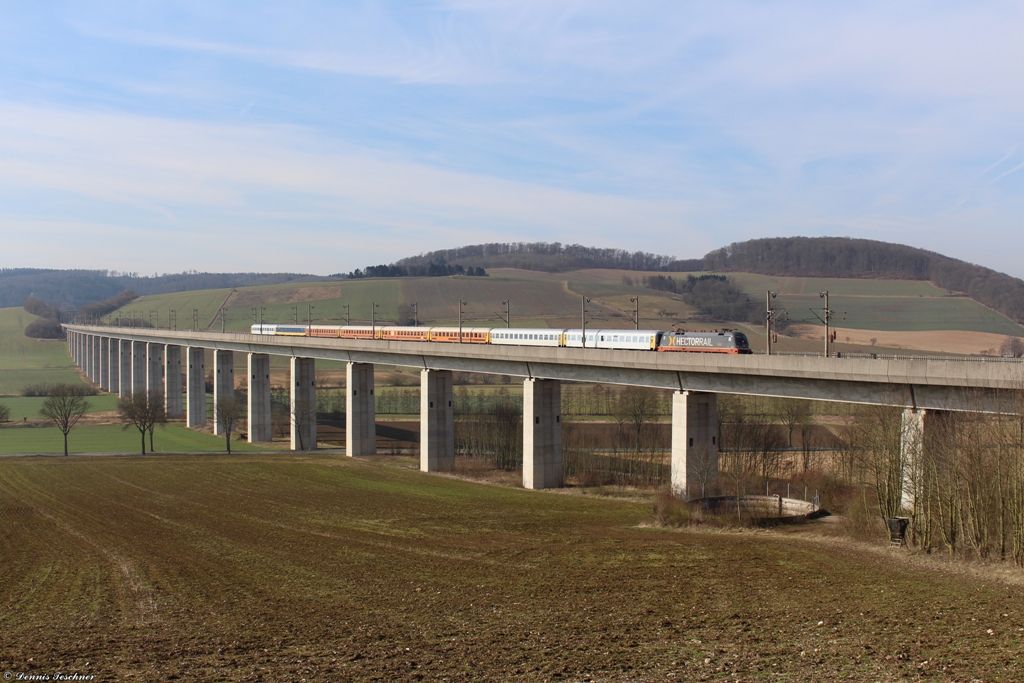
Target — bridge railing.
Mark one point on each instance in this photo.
(901, 356)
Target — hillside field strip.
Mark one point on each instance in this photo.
(289, 567)
(554, 299)
(30, 361)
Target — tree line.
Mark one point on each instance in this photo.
(72, 289)
(714, 296)
(433, 269)
(48, 325)
(549, 257)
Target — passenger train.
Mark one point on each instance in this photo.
(726, 341)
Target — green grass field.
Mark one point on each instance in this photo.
(28, 407)
(30, 361)
(171, 438)
(206, 302)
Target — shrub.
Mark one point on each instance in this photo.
(671, 510)
(40, 308)
(44, 328)
(47, 389)
(5, 413)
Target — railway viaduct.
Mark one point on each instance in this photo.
(125, 361)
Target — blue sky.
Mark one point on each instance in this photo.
(322, 137)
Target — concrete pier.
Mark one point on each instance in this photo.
(172, 381)
(223, 384)
(155, 368)
(114, 366)
(96, 359)
(303, 404)
(138, 367)
(921, 430)
(124, 368)
(259, 398)
(694, 443)
(542, 433)
(360, 412)
(104, 373)
(195, 385)
(437, 421)
(94, 353)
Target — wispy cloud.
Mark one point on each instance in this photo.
(394, 127)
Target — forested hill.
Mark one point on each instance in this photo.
(785, 256)
(856, 258)
(551, 258)
(71, 289)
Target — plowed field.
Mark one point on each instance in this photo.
(272, 568)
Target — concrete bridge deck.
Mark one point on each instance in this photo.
(924, 383)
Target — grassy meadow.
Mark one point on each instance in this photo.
(30, 361)
(92, 438)
(27, 407)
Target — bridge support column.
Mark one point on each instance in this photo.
(155, 368)
(195, 385)
(694, 443)
(360, 411)
(303, 404)
(223, 384)
(542, 433)
(94, 352)
(437, 421)
(259, 398)
(104, 377)
(124, 368)
(172, 381)
(919, 428)
(138, 367)
(114, 366)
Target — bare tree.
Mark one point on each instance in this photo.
(637, 406)
(143, 411)
(1012, 346)
(5, 413)
(65, 406)
(794, 412)
(881, 434)
(704, 467)
(280, 420)
(227, 410)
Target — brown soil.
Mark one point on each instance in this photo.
(288, 567)
(941, 341)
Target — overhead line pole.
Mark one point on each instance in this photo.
(583, 320)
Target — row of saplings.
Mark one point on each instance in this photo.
(66, 404)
